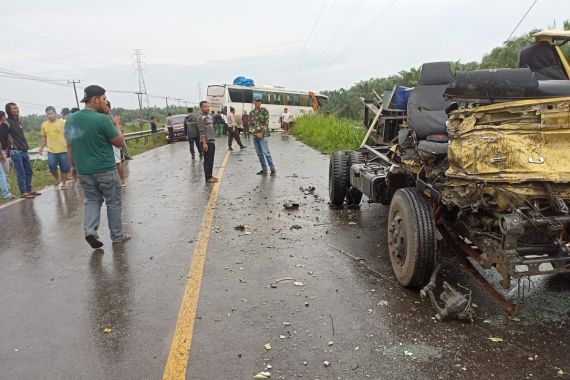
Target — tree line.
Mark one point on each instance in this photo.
(346, 102)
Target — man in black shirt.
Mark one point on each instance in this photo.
(153, 128)
(191, 128)
(18, 146)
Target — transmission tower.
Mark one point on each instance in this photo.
(140, 69)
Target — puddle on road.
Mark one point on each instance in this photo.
(411, 350)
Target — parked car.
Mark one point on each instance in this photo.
(179, 132)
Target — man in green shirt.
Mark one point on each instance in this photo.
(90, 136)
(259, 124)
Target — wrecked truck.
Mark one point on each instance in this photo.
(476, 164)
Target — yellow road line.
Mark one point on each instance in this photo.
(182, 340)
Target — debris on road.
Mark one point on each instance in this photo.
(308, 191)
(284, 279)
(295, 227)
(298, 283)
(495, 339)
(291, 206)
(240, 227)
(107, 330)
(408, 353)
(383, 303)
(326, 363)
(267, 346)
(331, 343)
(262, 375)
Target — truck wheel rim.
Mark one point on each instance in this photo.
(398, 239)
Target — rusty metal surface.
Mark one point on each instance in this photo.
(526, 141)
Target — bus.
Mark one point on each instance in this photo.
(274, 98)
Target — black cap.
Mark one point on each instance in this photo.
(91, 91)
(65, 111)
(257, 99)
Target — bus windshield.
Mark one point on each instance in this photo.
(216, 90)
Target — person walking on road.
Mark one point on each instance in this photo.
(170, 128)
(191, 128)
(90, 138)
(207, 139)
(51, 134)
(285, 119)
(18, 146)
(259, 124)
(233, 131)
(219, 124)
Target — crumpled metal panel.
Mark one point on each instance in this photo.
(511, 142)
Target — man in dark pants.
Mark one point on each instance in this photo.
(170, 128)
(191, 128)
(18, 146)
(207, 139)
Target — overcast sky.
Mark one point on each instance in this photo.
(274, 42)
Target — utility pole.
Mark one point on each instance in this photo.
(75, 89)
(166, 98)
(179, 100)
(141, 70)
(186, 104)
(200, 92)
(139, 96)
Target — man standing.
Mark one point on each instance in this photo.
(191, 128)
(259, 123)
(207, 139)
(233, 131)
(18, 146)
(245, 124)
(153, 129)
(91, 135)
(285, 119)
(4, 141)
(51, 134)
(170, 128)
(4, 187)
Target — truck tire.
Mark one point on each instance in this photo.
(354, 196)
(339, 178)
(412, 243)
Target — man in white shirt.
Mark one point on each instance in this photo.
(285, 119)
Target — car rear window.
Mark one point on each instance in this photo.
(178, 119)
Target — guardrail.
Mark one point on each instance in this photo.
(35, 154)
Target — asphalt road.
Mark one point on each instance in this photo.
(315, 284)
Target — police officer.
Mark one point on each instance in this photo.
(207, 139)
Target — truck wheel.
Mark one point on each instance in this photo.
(411, 237)
(339, 178)
(354, 196)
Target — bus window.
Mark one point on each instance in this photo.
(276, 99)
(304, 100)
(216, 90)
(240, 95)
(292, 100)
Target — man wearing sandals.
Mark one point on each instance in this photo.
(259, 124)
(51, 134)
(91, 135)
(18, 146)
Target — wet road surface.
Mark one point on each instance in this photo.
(346, 308)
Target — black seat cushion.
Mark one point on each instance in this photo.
(433, 148)
(543, 60)
(426, 106)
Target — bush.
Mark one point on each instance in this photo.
(328, 133)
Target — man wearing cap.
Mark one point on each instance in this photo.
(91, 135)
(205, 124)
(259, 124)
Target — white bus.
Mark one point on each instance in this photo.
(274, 98)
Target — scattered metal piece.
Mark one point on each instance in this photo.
(291, 206)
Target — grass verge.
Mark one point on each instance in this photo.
(43, 178)
(328, 133)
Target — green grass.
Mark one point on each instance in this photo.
(43, 178)
(328, 133)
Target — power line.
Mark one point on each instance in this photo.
(312, 29)
(366, 30)
(522, 19)
(338, 32)
(140, 71)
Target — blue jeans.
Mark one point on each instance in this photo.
(263, 153)
(4, 188)
(23, 168)
(97, 188)
(58, 159)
